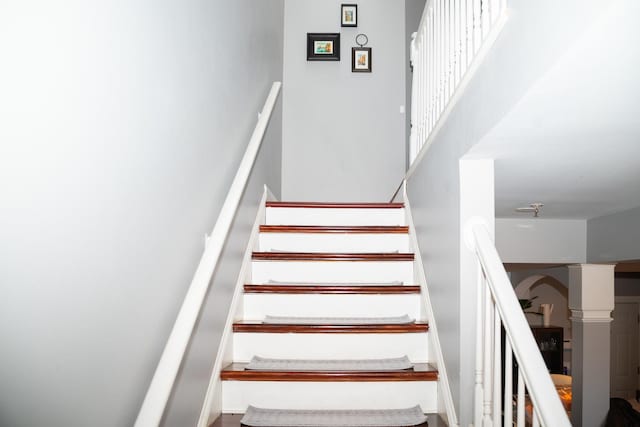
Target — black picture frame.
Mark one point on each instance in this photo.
(348, 15)
(323, 46)
(361, 59)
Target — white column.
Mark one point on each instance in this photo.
(477, 201)
(591, 300)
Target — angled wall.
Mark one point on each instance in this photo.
(530, 43)
(122, 125)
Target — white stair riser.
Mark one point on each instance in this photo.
(238, 395)
(257, 306)
(332, 271)
(330, 346)
(337, 216)
(333, 242)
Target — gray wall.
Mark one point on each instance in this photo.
(343, 132)
(541, 240)
(412, 14)
(192, 384)
(530, 43)
(614, 237)
(122, 125)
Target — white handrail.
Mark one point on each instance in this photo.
(451, 40)
(498, 307)
(164, 377)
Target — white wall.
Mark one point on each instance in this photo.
(121, 126)
(344, 136)
(614, 237)
(539, 240)
(532, 40)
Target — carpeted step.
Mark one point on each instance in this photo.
(297, 365)
(292, 320)
(233, 420)
(259, 417)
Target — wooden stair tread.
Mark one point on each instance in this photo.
(330, 289)
(259, 327)
(356, 229)
(233, 420)
(420, 372)
(332, 205)
(330, 256)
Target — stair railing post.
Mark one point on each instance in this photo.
(488, 359)
(479, 386)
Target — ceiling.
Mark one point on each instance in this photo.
(573, 141)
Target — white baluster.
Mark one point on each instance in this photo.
(469, 30)
(479, 399)
(415, 79)
(497, 366)
(424, 100)
(432, 73)
(477, 25)
(458, 43)
(488, 359)
(448, 51)
(438, 61)
(520, 408)
(508, 383)
(485, 17)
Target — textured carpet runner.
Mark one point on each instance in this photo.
(346, 321)
(257, 417)
(305, 282)
(296, 365)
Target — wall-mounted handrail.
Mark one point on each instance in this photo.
(451, 40)
(166, 372)
(498, 307)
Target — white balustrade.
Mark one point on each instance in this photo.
(499, 317)
(450, 37)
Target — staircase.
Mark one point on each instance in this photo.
(331, 321)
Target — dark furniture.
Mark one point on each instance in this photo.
(550, 342)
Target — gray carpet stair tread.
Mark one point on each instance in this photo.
(352, 283)
(233, 420)
(259, 417)
(258, 363)
(285, 320)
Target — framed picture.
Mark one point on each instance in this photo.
(323, 47)
(349, 15)
(361, 59)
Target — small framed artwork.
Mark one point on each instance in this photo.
(323, 47)
(349, 15)
(361, 59)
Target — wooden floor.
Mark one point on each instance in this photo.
(233, 420)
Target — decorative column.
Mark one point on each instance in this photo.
(591, 300)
